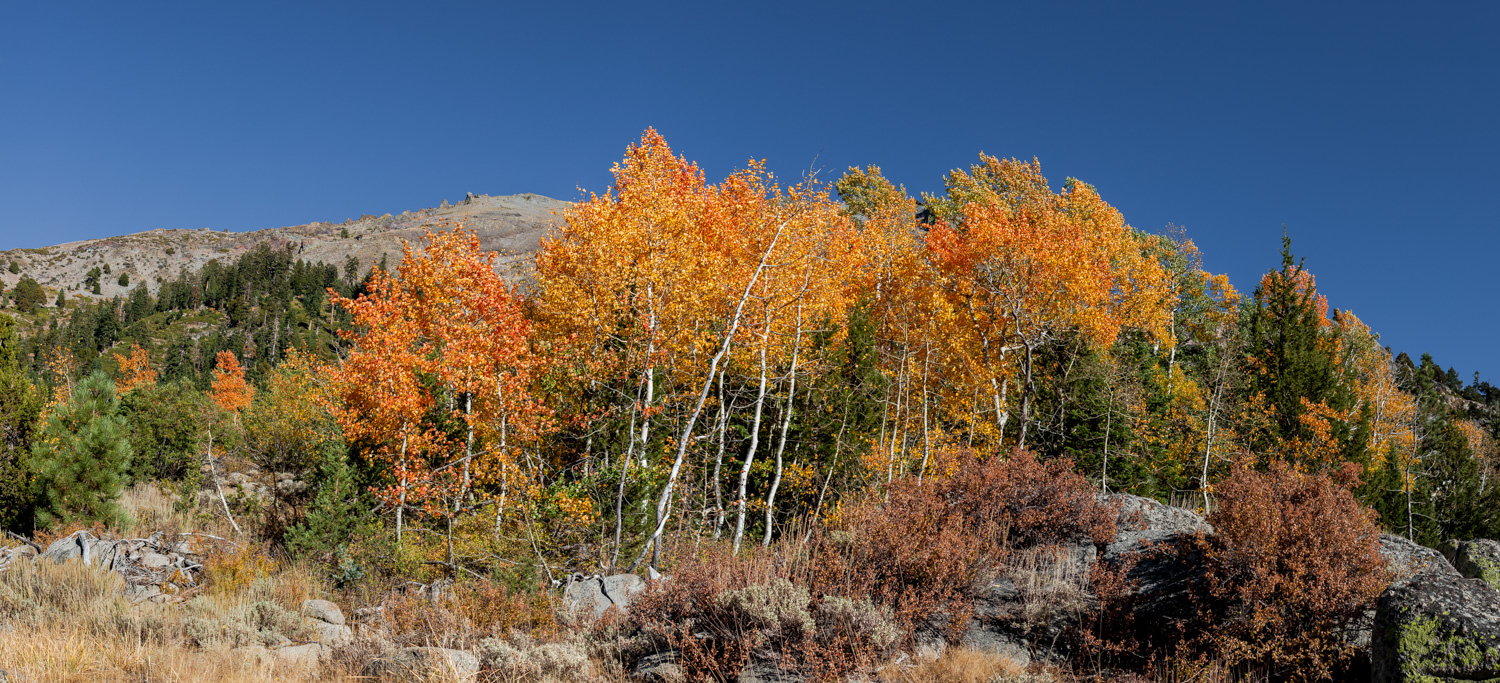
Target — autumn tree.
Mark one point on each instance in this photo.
(1022, 264)
(443, 335)
(134, 370)
(230, 390)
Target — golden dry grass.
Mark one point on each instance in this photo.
(71, 622)
(958, 665)
(71, 652)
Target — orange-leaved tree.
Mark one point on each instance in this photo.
(444, 330)
(230, 389)
(1022, 264)
(135, 370)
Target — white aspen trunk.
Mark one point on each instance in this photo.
(1026, 391)
(786, 426)
(719, 460)
(760, 402)
(1208, 446)
(401, 503)
(926, 436)
(687, 429)
(1109, 413)
(890, 458)
(214, 472)
(468, 449)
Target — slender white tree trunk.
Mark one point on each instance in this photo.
(786, 426)
(713, 369)
(760, 402)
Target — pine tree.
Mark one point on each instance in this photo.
(20, 406)
(82, 456)
(339, 515)
(1294, 367)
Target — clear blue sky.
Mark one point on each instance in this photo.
(1370, 131)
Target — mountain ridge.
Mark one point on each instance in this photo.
(511, 224)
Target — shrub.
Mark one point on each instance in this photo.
(524, 660)
(1294, 561)
(929, 547)
(853, 620)
(885, 568)
(775, 612)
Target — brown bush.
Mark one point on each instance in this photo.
(927, 549)
(890, 565)
(1294, 561)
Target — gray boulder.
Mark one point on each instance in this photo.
(1031, 621)
(1142, 548)
(324, 611)
(417, 664)
(72, 547)
(593, 595)
(1143, 522)
(1436, 627)
(1476, 559)
(1408, 560)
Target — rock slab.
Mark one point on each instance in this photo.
(1476, 559)
(594, 595)
(1436, 627)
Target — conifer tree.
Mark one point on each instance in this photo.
(1294, 371)
(81, 457)
(20, 406)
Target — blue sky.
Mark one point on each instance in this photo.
(1368, 130)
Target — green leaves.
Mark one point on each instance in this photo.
(82, 456)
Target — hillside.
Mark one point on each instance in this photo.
(511, 224)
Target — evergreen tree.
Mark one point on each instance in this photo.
(82, 456)
(1292, 361)
(91, 280)
(1461, 507)
(28, 295)
(339, 515)
(20, 406)
(165, 435)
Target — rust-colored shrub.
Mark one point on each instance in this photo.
(928, 547)
(1294, 560)
(893, 563)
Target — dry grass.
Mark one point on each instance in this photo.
(67, 652)
(150, 510)
(959, 665)
(1049, 580)
(71, 622)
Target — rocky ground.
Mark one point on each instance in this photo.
(1438, 621)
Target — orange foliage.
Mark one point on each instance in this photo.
(448, 316)
(1024, 264)
(135, 370)
(230, 390)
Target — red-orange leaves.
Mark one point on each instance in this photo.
(231, 391)
(444, 330)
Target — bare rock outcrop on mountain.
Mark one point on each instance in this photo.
(513, 225)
